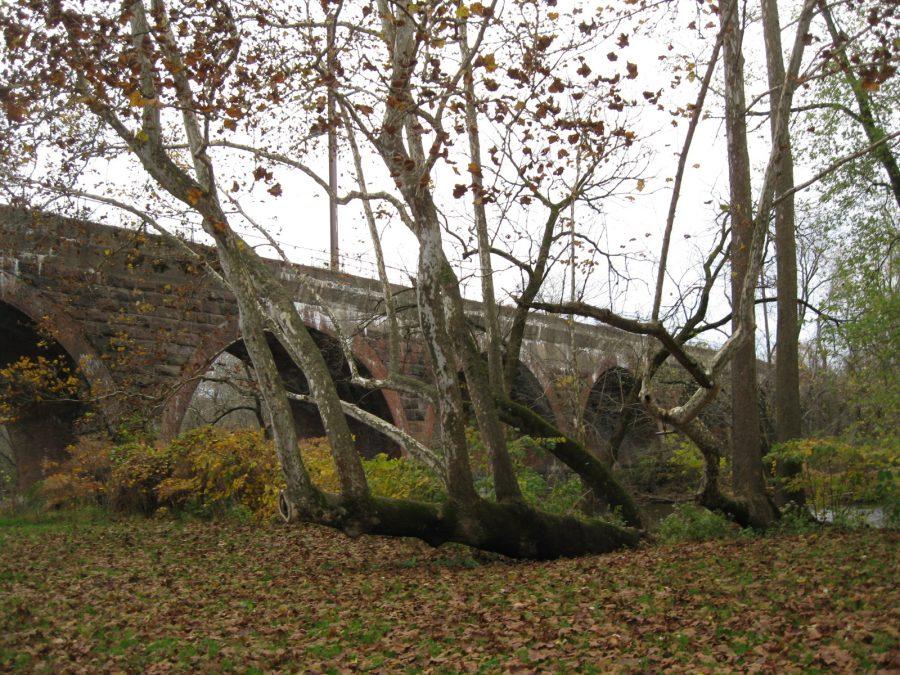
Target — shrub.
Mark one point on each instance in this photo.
(551, 487)
(685, 462)
(215, 470)
(209, 471)
(401, 479)
(648, 471)
(80, 478)
(205, 471)
(316, 454)
(138, 468)
(795, 519)
(689, 522)
(562, 494)
(837, 478)
(8, 480)
(675, 467)
(397, 478)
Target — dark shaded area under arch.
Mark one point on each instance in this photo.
(603, 410)
(308, 422)
(44, 429)
(526, 390)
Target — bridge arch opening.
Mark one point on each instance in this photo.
(226, 396)
(44, 395)
(603, 410)
(525, 389)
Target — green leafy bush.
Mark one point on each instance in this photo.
(795, 519)
(396, 478)
(675, 468)
(840, 479)
(689, 522)
(561, 494)
(685, 461)
(550, 486)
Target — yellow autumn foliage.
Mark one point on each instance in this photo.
(395, 478)
(209, 471)
(32, 380)
(81, 478)
(215, 469)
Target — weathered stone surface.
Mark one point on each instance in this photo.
(140, 316)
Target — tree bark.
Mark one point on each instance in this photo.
(488, 298)
(747, 468)
(441, 311)
(256, 289)
(535, 281)
(593, 472)
(510, 528)
(788, 416)
(481, 393)
(709, 494)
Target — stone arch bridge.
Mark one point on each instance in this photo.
(143, 322)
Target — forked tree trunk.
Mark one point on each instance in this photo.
(451, 412)
(256, 291)
(508, 526)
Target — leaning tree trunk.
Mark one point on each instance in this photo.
(265, 304)
(251, 282)
(510, 526)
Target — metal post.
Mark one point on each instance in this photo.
(332, 152)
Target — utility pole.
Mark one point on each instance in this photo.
(332, 151)
(576, 413)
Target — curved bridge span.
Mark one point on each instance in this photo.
(144, 321)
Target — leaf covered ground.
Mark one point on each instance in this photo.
(155, 595)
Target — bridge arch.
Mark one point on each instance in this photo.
(532, 391)
(44, 312)
(545, 382)
(526, 389)
(226, 339)
(43, 431)
(603, 406)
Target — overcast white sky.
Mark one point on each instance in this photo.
(634, 224)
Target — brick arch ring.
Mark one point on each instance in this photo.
(226, 334)
(64, 330)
